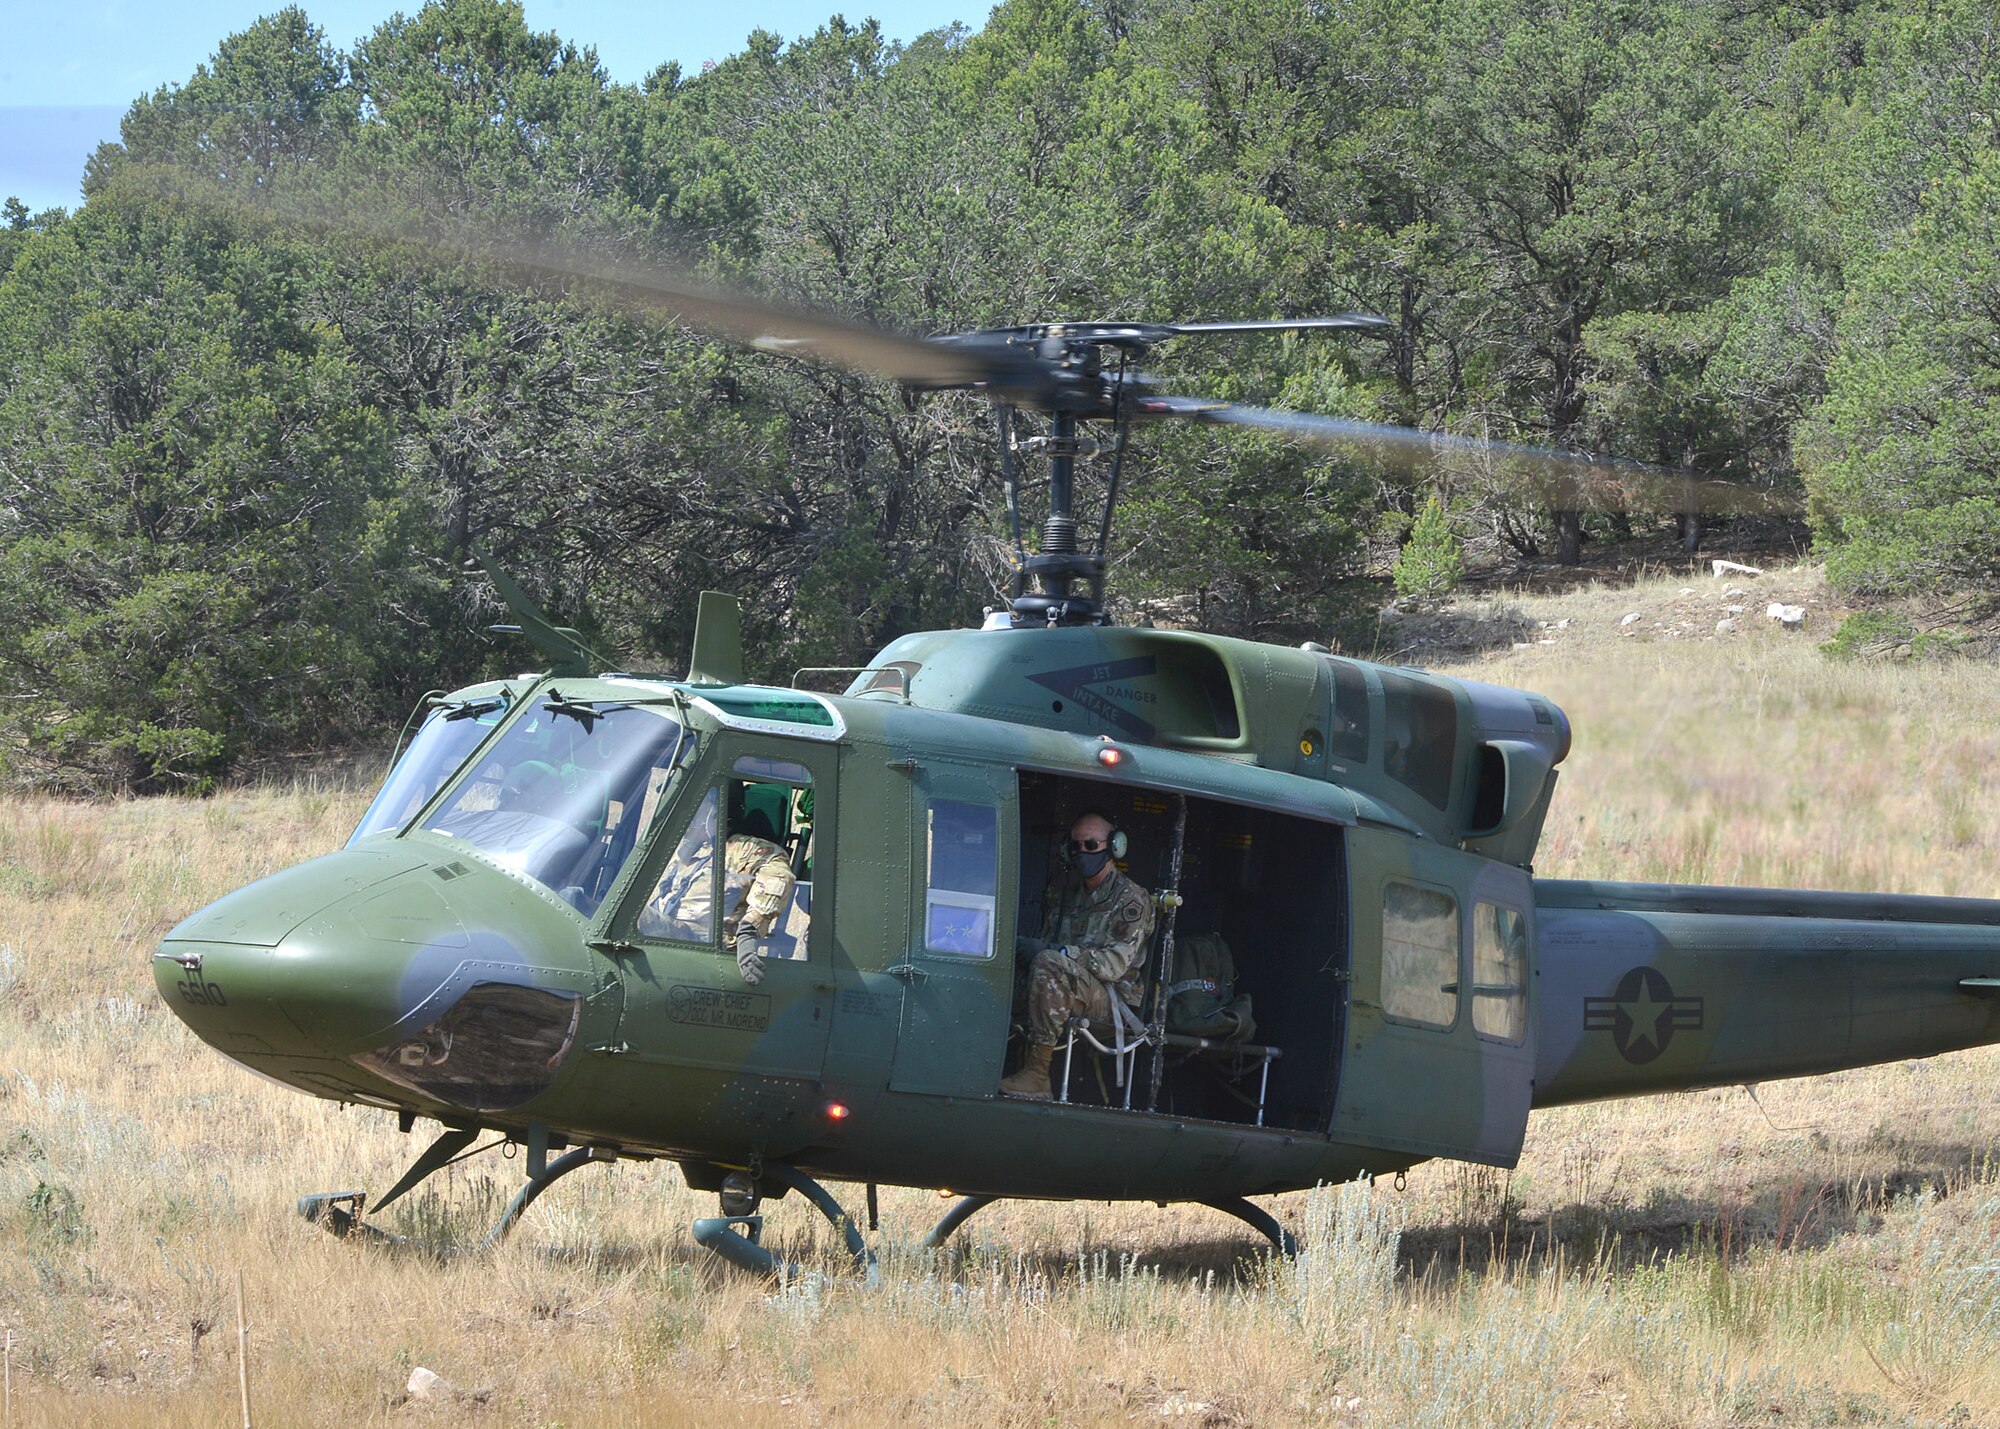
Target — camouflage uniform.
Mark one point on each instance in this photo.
(1101, 935)
(756, 886)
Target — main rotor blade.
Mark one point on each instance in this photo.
(1340, 322)
(771, 327)
(646, 290)
(1138, 336)
(1612, 483)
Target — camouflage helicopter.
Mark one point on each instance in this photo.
(1352, 968)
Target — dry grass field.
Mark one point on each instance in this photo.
(1823, 1252)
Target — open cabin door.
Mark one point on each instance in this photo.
(1439, 1057)
(957, 969)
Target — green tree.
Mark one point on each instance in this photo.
(274, 98)
(1897, 456)
(1432, 561)
(1902, 458)
(1587, 170)
(193, 512)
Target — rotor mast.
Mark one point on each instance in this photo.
(1059, 369)
(1060, 566)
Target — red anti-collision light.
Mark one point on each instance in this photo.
(837, 1111)
(1110, 756)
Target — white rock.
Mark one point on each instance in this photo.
(429, 1384)
(1632, 618)
(1725, 626)
(1687, 590)
(1733, 609)
(1734, 568)
(1563, 624)
(1790, 616)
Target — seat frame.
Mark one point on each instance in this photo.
(1128, 1034)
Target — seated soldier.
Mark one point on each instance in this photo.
(1092, 948)
(757, 887)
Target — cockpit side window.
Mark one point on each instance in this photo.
(765, 879)
(964, 873)
(683, 905)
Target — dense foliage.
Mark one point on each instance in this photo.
(246, 446)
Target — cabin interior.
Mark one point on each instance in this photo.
(1272, 886)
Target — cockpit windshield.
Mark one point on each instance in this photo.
(449, 735)
(562, 795)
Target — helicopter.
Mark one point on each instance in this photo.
(1353, 967)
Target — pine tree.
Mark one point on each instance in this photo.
(1432, 561)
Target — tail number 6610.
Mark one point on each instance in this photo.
(201, 994)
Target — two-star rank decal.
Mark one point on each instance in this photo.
(1642, 1015)
(1075, 685)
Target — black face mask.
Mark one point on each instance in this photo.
(1089, 864)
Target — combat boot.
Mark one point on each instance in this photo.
(1032, 1082)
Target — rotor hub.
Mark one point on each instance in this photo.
(1059, 369)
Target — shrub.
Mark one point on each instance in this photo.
(1432, 561)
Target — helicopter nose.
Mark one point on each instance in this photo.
(222, 991)
(394, 978)
(214, 968)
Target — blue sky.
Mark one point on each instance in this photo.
(68, 71)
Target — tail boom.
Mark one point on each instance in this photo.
(1646, 988)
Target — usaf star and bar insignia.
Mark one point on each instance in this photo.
(1642, 1015)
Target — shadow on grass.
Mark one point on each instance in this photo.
(1779, 1210)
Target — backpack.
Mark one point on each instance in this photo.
(1202, 1000)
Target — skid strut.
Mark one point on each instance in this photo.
(1256, 1218)
(720, 1233)
(340, 1212)
(958, 1215)
(1259, 1220)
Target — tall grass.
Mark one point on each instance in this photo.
(1827, 1252)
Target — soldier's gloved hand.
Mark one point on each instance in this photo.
(749, 957)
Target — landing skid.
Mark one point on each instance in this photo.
(742, 1248)
(1257, 1219)
(340, 1212)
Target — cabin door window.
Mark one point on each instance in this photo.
(1419, 954)
(1499, 972)
(963, 848)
